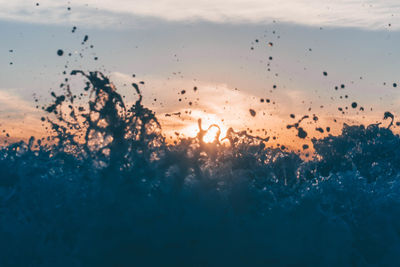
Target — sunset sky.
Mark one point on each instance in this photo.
(234, 52)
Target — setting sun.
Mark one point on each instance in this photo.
(211, 134)
(212, 127)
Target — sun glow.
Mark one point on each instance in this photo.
(211, 134)
(211, 126)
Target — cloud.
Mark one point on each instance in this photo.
(12, 103)
(18, 117)
(104, 13)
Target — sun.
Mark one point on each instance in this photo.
(212, 134)
(212, 126)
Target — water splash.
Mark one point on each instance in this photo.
(107, 190)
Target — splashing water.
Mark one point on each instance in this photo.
(107, 190)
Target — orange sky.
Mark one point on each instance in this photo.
(179, 111)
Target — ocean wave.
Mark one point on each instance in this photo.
(106, 189)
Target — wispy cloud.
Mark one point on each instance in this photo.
(339, 13)
(12, 103)
(18, 117)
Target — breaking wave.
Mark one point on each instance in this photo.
(106, 189)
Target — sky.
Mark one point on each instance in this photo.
(237, 53)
